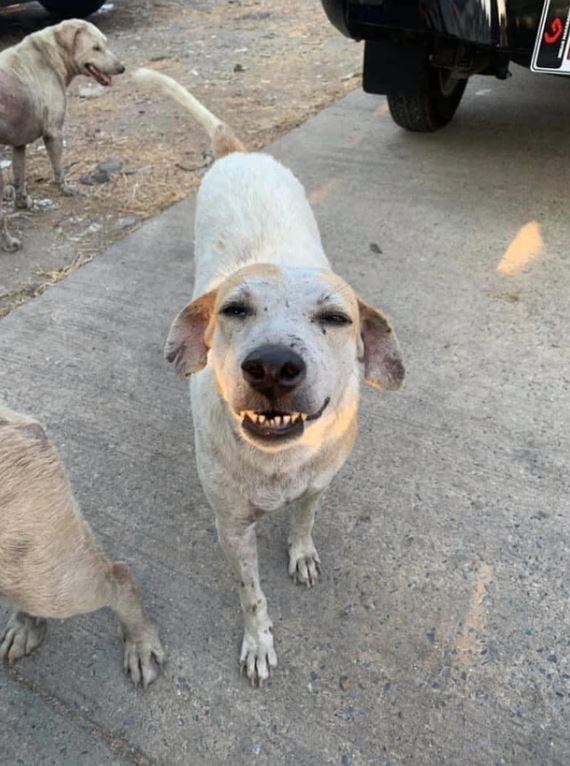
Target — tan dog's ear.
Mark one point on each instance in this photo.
(66, 35)
(187, 344)
(383, 367)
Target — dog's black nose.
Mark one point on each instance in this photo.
(274, 370)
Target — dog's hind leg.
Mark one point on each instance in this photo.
(143, 650)
(23, 202)
(8, 243)
(21, 636)
(257, 656)
(304, 562)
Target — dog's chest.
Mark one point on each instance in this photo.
(269, 493)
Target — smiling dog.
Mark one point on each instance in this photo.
(34, 76)
(273, 339)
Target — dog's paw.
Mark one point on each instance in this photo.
(258, 656)
(21, 636)
(67, 190)
(304, 564)
(23, 202)
(9, 193)
(143, 658)
(9, 243)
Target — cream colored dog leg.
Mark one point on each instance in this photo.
(304, 562)
(22, 201)
(54, 146)
(257, 656)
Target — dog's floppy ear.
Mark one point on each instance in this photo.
(383, 367)
(187, 344)
(66, 34)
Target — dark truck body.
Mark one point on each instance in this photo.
(432, 46)
(510, 26)
(62, 8)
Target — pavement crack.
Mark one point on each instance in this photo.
(119, 746)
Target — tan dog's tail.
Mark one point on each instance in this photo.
(222, 138)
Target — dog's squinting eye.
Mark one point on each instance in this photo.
(333, 318)
(236, 310)
(97, 48)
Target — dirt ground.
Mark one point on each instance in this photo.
(264, 66)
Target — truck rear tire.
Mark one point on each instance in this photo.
(68, 9)
(431, 105)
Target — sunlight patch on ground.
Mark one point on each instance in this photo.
(524, 248)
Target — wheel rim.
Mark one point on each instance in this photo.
(447, 82)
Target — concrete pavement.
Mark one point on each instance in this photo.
(439, 632)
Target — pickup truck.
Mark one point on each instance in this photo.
(420, 53)
(63, 8)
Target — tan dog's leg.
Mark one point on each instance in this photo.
(304, 562)
(54, 146)
(140, 637)
(257, 655)
(8, 243)
(23, 202)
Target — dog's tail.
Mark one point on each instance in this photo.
(222, 137)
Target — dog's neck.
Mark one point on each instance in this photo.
(61, 68)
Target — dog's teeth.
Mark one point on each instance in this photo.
(286, 419)
(304, 417)
(261, 418)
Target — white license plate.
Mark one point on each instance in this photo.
(552, 47)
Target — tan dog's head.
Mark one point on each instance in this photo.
(285, 345)
(84, 51)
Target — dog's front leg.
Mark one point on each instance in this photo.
(240, 546)
(23, 202)
(304, 562)
(54, 145)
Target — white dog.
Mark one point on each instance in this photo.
(34, 76)
(273, 339)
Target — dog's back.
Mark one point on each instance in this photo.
(252, 209)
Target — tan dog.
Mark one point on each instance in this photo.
(50, 566)
(34, 76)
(274, 341)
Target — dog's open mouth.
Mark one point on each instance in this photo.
(102, 77)
(275, 425)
